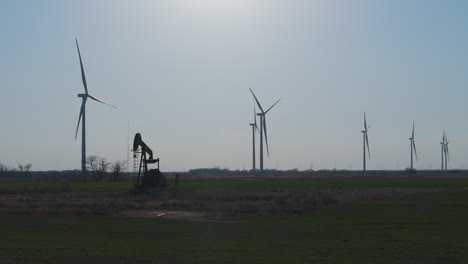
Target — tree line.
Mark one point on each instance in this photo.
(99, 169)
(102, 170)
(22, 170)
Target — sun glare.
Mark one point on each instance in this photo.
(212, 6)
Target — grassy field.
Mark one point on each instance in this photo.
(424, 228)
(405, 182)
(280, 183)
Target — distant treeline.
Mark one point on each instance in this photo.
(25, 172)
(98, 169)
(219, 171)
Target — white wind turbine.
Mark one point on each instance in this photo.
(445, 151)
(82, 115)
(413, 147)
(365, 141)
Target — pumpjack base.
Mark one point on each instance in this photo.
(152, 180)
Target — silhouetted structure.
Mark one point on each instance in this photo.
(151, 178)
(82, 115)
(263, 129)
(254, 126)
(365, 141)
(445, 152)
(413, 147)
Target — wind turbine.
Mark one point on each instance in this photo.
(446, 152)
(254, 126)
(442, 145)
(263, 129)
(413, 147)
(82, 115)
(365, 141)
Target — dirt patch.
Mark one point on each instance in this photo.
(163, 214)
(198, 203)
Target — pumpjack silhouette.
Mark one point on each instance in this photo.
(152, 178)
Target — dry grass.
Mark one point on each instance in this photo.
(38, 188)
(212, 202)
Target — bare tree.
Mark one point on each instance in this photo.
(92, 164)
(103, 166)
(25, 169)
(98, 166)
(117, 168)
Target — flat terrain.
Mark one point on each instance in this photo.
(209, 198)
(238, 221)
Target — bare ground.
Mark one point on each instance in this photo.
(196, 204)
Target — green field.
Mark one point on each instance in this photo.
(428, 228)
(405, 182)
(281, 183)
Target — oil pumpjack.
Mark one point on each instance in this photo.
(152, 178)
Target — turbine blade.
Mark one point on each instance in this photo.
(79, 118)
(82, 70)
(101, 101)
(266, 136)
(258, 103)
(367, 143)
(412, 135)
(447, 151)
(414, 147)
(365, 123)
(272, 106)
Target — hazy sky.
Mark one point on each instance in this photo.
(180, 71)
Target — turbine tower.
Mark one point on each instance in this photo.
(365, 141)
(263, 129)
(413, 147)
(82, 115)
(254, 126)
